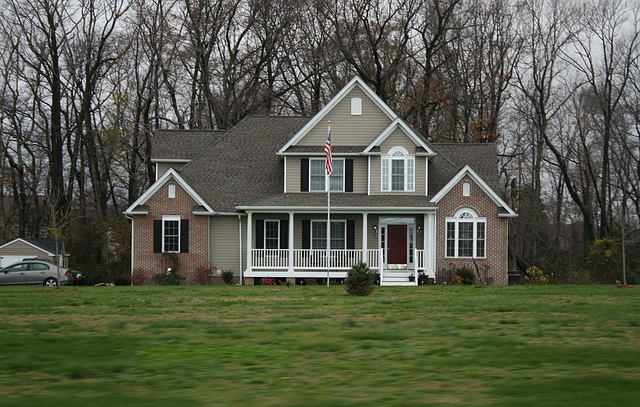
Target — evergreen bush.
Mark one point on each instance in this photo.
(467, 275)
(360, 280)
(227, 276)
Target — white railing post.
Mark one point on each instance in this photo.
(380, 265)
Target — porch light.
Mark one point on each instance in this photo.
(419, 229)
(375, 229)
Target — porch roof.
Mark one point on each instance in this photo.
(342, 202)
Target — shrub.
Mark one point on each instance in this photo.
(122, 280)
(360, 280)
(456, 280)
(311, 281)
(268, 281)
(467, 275)
(535, 276)
(227, 276)
(605, 260)
(170, 277)
(202, 275)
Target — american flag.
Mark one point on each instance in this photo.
(327, 150)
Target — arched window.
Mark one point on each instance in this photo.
(398, 170)
(466, 234)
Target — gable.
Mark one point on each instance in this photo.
(138, 207)
(399, 134)
(347, 129)
(468, 173)
(23, 247)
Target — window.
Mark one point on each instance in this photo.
(170, 234)
(271, 234)
(398, 171)
(172, 191)
(466, 234)
(317, 175)
(319, 235)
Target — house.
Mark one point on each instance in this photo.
(39, 248)
(253, 199)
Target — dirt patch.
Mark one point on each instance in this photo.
(626, 286)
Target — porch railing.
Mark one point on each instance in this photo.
(270, 258)
(312, 259)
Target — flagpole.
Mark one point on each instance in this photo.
(329, 172)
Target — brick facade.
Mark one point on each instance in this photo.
(494, 265)
(192, 264)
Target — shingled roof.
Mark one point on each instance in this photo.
(184, 144)
(242, 167)
(452, 157)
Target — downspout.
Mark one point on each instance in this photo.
(240, 240)
(131, 219)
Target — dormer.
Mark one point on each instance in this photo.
(399, 161)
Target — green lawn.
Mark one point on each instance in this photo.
(313, 346)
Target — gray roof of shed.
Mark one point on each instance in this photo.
(47, 243)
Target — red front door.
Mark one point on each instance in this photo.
(397, 245)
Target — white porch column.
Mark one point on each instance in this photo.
(291, 239)
(249, 233)
(430, 244)
(365, 243)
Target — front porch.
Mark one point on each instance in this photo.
(314, 263)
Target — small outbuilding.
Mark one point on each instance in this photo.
(39, 248)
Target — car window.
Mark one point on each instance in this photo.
(17, 268)
(39, 266)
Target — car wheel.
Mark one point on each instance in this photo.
(50, 282)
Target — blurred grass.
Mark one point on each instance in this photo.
(313, 346)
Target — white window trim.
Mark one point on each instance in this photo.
(277, 221)
(172, 191)
(386, 177)
(456, 220)
(326, 177)
(167, 218)
(344, 237)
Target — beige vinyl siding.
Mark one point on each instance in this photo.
(19, 248)
(395, 139)
(224, 242)
(376, 173)
(360, 173)
(348, 130)
(293, 174)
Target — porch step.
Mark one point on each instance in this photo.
(406, 283)
(397, 278)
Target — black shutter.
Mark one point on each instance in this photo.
(304, 175)
(351, 234)
(284, 234)
(157, 236)
(348, 175)
(306, 234)
(259, 233)
(184, 236)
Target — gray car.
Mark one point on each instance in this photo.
(34, 272)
